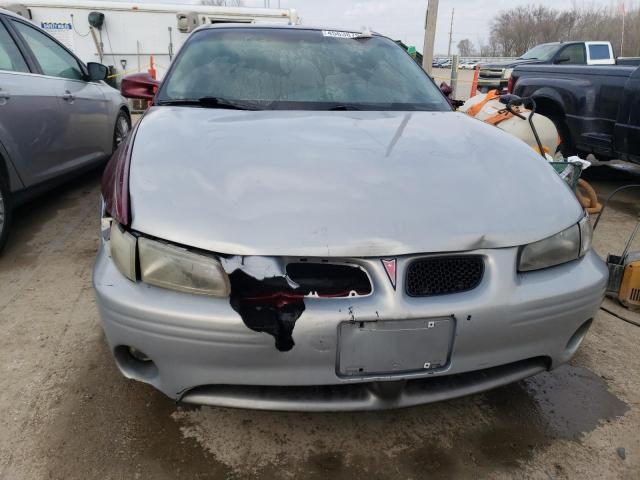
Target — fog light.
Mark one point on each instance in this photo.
(135, 364)
(138, 355)
(576, 340)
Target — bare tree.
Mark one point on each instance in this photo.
(465, 48)
(490, 48)
(515, 31)
(223, 3)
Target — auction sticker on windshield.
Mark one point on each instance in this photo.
(333, 33)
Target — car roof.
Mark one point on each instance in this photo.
(9, 13)
(274, 26)
(280, 26)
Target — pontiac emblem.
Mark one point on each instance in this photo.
(390, 268)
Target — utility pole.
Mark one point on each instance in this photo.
(451, 33)
(429, 35)
(454, 75)
(624, 14)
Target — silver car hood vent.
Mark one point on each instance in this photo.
(339, 184)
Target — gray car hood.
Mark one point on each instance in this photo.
(339, 184)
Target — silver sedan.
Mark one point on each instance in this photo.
(57, 115)
(301, 222)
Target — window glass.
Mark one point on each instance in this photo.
(541, 52)
(300, 69)
(10, 56)
(575, 55)
(53, 59)
(599, 52)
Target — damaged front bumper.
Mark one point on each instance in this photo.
(198, 349)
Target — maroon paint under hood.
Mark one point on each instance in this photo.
(115, 181)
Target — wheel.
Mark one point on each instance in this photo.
(123, 125)
(565, 147)
(5, 211)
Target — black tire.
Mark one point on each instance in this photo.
(121, 129)
(566, 144)
(5, 211)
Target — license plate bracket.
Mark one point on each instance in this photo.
(389, 347)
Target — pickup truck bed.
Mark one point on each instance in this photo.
(595, 108)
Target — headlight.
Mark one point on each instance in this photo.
(177, 268)
(568, 245)
(123, 250)
(507, 73)
(586, 234)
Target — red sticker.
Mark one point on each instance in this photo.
(390, 268)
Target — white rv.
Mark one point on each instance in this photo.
(124, 36)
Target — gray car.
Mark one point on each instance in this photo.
(57, 116)
(301, 222)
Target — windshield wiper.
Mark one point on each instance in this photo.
(211, 102)
(341, 108)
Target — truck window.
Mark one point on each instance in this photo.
(572, 55)
(541, 52)
(10, 57)
(599, 52)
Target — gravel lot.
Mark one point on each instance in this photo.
(66, 412)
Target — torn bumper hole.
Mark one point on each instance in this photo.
(329, 280)
(274, 304)
(268, 305)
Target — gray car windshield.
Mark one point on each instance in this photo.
(297, 69)
(541, 52)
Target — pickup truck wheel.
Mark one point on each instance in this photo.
(5, 211)
(565, 148)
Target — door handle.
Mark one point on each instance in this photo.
(68, 96)
(4, 95)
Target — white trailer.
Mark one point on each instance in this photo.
(124, 36)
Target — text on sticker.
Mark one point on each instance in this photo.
(333, 33)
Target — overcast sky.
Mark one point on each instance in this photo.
(404, 19)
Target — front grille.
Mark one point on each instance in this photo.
(443, 275)
(492, 73)
(329, 279)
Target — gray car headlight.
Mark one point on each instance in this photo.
(586, 235)
(563, 247)
(176, 268)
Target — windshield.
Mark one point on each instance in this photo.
(299, 70)
(541, 52)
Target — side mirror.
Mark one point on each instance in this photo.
(139, 85)
(561, 60)
(97, 71)
(446, 89)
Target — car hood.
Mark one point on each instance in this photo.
(339, 184)
(510, 63)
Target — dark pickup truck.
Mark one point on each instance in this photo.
(595, 109)
(496, 75)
